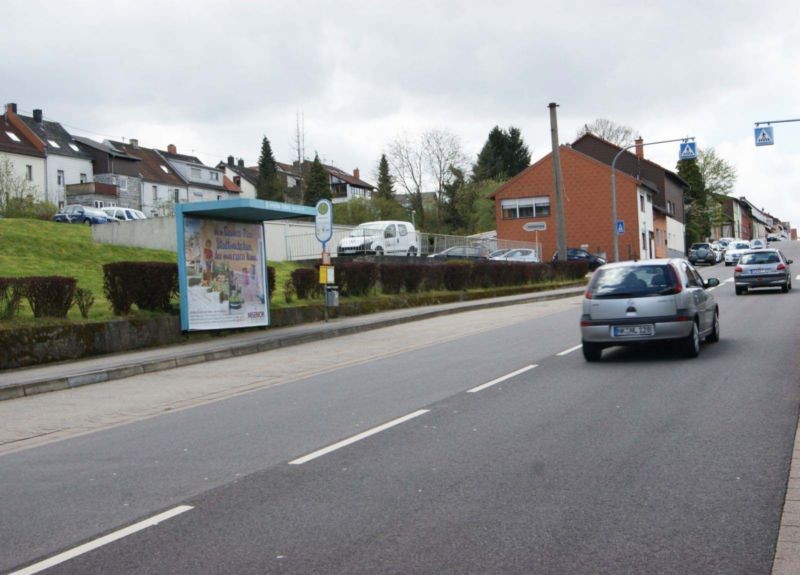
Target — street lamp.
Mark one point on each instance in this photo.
(614, 184)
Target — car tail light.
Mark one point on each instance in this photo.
(588, 294)
(737, 269)
(781, 267)
(676, 280)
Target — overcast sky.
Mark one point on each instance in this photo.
(213, 77)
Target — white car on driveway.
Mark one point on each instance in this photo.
(390, 238)
(518, 255)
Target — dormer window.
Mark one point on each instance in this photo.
(214, 176)
(164, 169)
(53, 143)
(13, 136)
(74, 147)
(196, 173)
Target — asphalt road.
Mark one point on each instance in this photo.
(643, 463)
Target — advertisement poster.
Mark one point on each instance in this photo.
(225, 274)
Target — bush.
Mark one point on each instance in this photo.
(392, 277)
(49, 296)
(485, 274)
(11, 292)
(306, 282)
(456, 275)
(270, 281)
(149, 285)
(357, 278)
(569, 270)
(84, 299)
(413, 276)
(434, 277)
(288, 291)
(28, 208)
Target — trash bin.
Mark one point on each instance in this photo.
(332, 296)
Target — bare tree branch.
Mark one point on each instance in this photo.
(610, 131)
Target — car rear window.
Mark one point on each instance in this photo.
(759, 258)
(633, 281)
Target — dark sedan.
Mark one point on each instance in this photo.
(82, 215)
(581, 255)
(702, 253)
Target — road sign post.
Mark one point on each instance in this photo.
(764, 137)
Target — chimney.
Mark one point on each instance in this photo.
(357, 174)
(171, 149)
(241, 162)
(11, 108)
(230, 161)
(640, 148)
(37, 116)
(134, 143)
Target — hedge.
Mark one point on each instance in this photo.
(11, 292)
(356, 278)
(149, 285)
(306, 282)
(49, 296)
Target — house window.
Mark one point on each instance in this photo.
(60, 178)
(195, 173)
(219, 197)
(123, 184)
(74, 147)
(525, 207)
(237, 180)
(53, 143)
(177, 195)
(214, 176)
(13, 136)
(641, 202)
(164, 169)
(155, 193)
(83, 178)
(29, 173)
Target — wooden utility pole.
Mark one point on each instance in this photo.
(558, 186)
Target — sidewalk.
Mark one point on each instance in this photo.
(65, 375)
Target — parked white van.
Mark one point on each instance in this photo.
(391, 238)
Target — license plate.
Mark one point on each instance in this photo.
(632, 330)
(759, 271)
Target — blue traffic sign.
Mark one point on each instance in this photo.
(764, 136)
(620, 227)
(688, 151)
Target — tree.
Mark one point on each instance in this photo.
(385, 185)
(610, 131)
(719, 176)
(407, 159)
(696, 201)
(443, 155)
(317, 187)
(503, 156)
(268, 184)
(451, 216)
(710, 179)
(17, 196)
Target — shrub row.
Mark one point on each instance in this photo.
(149, 285)
(359, 278)
(48, 296)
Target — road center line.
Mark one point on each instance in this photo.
(360, 436)
(570, 350)
(105, 540)
(501, 379)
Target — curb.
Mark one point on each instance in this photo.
(266, 343)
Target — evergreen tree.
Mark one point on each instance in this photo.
(268, 184)
(503, 156)
(451, 191)
(698, 226)
(317, 186)
(385, 185)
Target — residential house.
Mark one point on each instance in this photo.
(528, 198)
(116, 170)
(245, 178)
(65, 162)
(344, 186)
(24, 152)
(669, 216)
(760, 222)
(161, 186)
(203, 182)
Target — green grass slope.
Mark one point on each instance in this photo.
(39, 248)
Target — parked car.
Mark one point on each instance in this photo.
(391, 238)
(735, 249)
(630, 303)
(757, 244)
(581, 255)
(702, 253)
(767, 268)
(460, 253)
(518, 255)
(719, 250)
(773, 238)
(497, 253)
(121, 214)
(75, 214)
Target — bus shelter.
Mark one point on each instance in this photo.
(222, 261)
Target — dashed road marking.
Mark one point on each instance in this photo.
(570, 350)
(105, 540)
(501, 379)
(359, 437)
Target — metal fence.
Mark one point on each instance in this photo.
(296, 241)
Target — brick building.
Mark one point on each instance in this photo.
(528, 197)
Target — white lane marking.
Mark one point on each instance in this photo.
(570, 350)
(105, 540)
(727, 281)
(501, 379)
(360, 436)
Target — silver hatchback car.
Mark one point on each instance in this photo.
(766, 268)
(630, 303)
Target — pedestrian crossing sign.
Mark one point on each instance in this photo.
(620, 227)
(764, 136)
(688, 151)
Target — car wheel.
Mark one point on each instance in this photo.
(379, 251)
(786, 287)
(714, 335)
(739, 291)
(87, 222)
(727, 264)
(412, 252)
(691, 345)
(592, 351)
